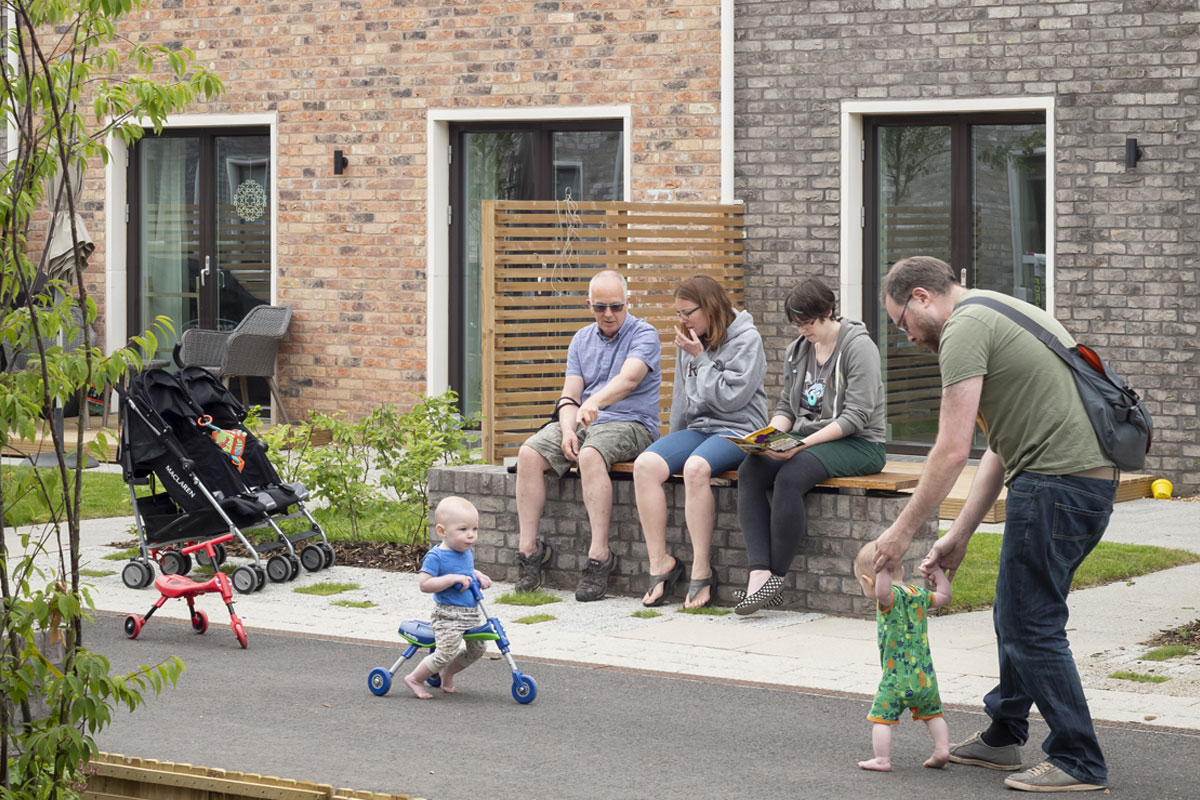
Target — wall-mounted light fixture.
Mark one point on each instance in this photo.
(1132, 153)
(340, 162)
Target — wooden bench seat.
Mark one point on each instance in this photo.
(880, 481)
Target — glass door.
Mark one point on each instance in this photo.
(970, 190)
(544, 161)
(200, 230)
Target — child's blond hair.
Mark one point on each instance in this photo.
(864, 562)
(451, 507)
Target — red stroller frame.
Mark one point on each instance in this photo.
(178, 586)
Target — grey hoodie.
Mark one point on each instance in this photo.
(854, 394)
(723, 389)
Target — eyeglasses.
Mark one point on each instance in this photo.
(900, 325)
(600, 308)
(688, 313)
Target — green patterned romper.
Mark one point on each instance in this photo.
(908, 679)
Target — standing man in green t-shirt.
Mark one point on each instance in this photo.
(1060, 494)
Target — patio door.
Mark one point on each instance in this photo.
(199, 229)
(519, 161)
(970, 190)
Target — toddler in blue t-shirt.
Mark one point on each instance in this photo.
(447, 572)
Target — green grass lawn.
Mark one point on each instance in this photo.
(975, 582)
(104, 495)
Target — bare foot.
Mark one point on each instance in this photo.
(448, 684)
(938, 759)
(877, 764)
(417, 687)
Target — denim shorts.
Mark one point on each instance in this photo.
(721, 454)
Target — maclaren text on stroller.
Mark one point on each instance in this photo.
(203, 494)
(419, 634)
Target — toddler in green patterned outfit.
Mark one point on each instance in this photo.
(908, 678)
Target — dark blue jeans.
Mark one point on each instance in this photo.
(1052, 523)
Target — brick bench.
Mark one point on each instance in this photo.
(841, 518)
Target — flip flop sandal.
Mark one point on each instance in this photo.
(699, 583)
(770, 590)
(668, 580)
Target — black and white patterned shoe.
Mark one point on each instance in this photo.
(740, 594)
(770, 592)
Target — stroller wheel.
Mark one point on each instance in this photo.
(199, 621)
(245, 580)
(295, 562)
(434, 680)
(279, 569)
(147, 572)
(312, 557)
(175, 563)
(379, 681)
(203, 559)
(133, 575)
(261, 576)
(133, 626)
(327, 549)
(524, 689)
(239, 630)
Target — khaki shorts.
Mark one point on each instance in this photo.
(615, 441)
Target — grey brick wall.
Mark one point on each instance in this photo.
(821, 578)
(1127, 277)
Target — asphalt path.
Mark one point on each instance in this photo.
(299, 708)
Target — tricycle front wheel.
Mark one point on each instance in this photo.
(524, 689)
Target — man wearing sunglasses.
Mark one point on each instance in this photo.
(607, 412)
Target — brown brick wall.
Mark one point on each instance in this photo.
(359, 75)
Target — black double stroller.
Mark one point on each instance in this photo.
(197, 491)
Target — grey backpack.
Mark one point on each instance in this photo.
(1122, 423)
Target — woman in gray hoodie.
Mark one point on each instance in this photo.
(718, 390)
(833, 396)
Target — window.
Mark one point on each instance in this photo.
(970, 190)
(582, 160)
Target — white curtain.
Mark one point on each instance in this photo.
(167, 215)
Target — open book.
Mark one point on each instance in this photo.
(767, 438)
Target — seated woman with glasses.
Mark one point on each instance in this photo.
(832, 396)
(718, 390)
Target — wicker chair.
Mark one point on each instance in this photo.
(249, 350)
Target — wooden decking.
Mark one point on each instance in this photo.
(43, 442)
(1133, 485)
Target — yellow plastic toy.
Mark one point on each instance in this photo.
(1161, 489)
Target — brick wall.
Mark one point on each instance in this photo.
(821, 579)
(1127, 277)
(360, 75)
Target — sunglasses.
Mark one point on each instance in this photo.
(600, 308)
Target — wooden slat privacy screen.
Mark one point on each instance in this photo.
(538, 257)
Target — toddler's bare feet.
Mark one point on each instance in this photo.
(417, 687)
(877, 764)
(448, 684)
(938, 759)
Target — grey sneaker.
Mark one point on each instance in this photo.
(975, 751)
(530, 567)
(1046, 777)
(594, 582)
